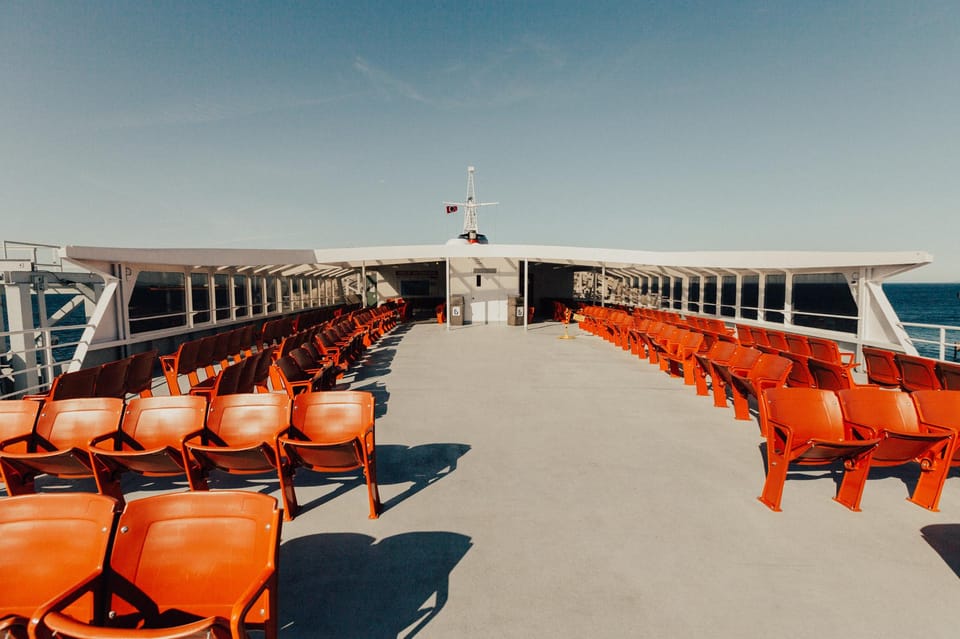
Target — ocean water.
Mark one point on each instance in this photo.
(927, 304)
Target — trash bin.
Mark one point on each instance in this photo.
(456, 310)
(514, 310)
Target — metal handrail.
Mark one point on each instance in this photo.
(941, 341)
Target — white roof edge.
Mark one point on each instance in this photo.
(382, 255)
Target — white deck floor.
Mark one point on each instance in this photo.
(536, 487)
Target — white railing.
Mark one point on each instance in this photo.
(934, 340)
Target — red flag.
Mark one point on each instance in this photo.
(451, 209)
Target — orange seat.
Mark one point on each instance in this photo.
(882, 368)
(691, 342)
(240, 437)
(798, 344)
(333, 432)
(828, 350)
(17, 417)
(720, 351)
(800, 376)
(892, 416)
(150, 439)
(49, 543)
(226, 382)
(777, 341)
(805, 426)
(294, 380)
(942, 409)
(111, 379)
(139, 379)
(58, 443)
(917, 373)
(769, 371)
(949, 375)
(829, 375)
(742, 360)
(79, 383)
(182, 565)
(183, 362)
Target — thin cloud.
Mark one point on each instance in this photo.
(387, 83)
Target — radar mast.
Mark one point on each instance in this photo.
(471, 230)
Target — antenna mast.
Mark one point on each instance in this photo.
(471, 230)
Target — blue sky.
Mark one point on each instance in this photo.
(661, 126)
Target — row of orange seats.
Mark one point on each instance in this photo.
(858, 425)
(176, 565)
(121, 378)
(183, 435)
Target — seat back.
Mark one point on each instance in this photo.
(949, 375)
(824, 349)
(770, 369)
(17, 417)
(341, 420)
(139, 380)
(193, 555)
(245, 419)
(810, 413)
(721, 351)
(72, 423)
(245, 384)
(111, 380)
(882, 367)
(800, 376)
(743, 357)
(79, 383)
(332, 416)
(228, 380)
(829, 376)
(205, 350)
(262, 372)
(880, 409)
(917, 373)
(939, 408)
(50, 542)
(186, 357)
(798, 344)
(778, 340)
(303, 358)
(155, 422)
(221, 348)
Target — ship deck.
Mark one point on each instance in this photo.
(538, 487)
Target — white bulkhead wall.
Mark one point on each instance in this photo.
(485, 284)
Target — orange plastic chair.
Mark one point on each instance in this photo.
(182, 565)
(800, 376)
(333, 432)
(295, 380)
(917, 373)
(111, 379)
(798, 344)
(79, 383)
(892, 416)
(942, 409)
(49, 543)
(226, 382)
(720, 351)
(830, 376)
(58, 443)
(777, 341)
(805, 426)
(949, 375)
(150, 439)
(241, 438)
(17, 417)
(683, 357)
(882, 368)
(742, 360)
(139, 379)
(769, 371)
(183, 362)
(829, 351)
